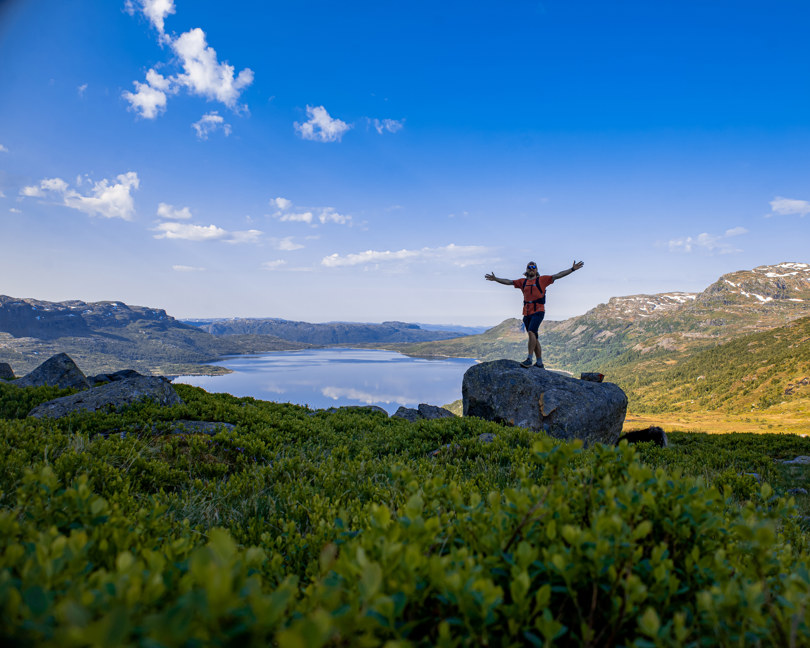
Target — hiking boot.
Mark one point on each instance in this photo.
(539, 364)
(527, 362)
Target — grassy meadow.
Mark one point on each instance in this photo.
(304, 528)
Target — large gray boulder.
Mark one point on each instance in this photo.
(566, 408)
(6, 372)
(112, 396)
(58, 371)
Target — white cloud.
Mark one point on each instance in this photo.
(247, 236)
(301, 217)
(310, 215)
(165, 210)
(81, 89)
(458, 255)
(273, 265)
(388, 125)
(287, 245)
(196, 233)
(329, 215)
(185, 268)
(154, 10)
(14, 210)
(189, 232)
(3, 149)
(712, 243)
(2, 195)
(203, 74)
(105, 199)
(148, 100)
(210, 122)
(788, 206)
(320, 127)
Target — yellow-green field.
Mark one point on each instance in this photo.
(788, 418)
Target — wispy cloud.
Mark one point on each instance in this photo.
(457, 255)
(286, 244)
(210, 122)
(81, 89)
(789, 206)
(171, 212)
(321, 127)
(191, 232)
(106, 199)
(202, 73)
(3, 149)
(185, 268)
(712, 243)
(387, 125)
(286, 212)
(273, 265)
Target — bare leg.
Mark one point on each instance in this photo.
(532, 344)
(537, 350)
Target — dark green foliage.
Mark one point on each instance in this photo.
(303, 528)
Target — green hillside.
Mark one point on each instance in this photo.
(303, 528)
(751, 373)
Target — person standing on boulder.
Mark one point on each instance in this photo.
(534, 299)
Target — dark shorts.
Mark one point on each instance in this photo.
(532, 322)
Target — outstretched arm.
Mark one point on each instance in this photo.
(491, 277)
(564, 273)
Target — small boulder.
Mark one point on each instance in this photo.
(58, 371)
(486, 437)
(432, 412)
(5, 371)
(112, 396)
(801, 460)
(407, 413)
(424, 412)
(652, 434)
(564, 407)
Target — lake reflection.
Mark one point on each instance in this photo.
(323, 378)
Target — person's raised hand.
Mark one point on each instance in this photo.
(577, 265)
(490, 276)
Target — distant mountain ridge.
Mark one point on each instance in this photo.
(111, 335)
(326, 334)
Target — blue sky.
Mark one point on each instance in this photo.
(371, 161)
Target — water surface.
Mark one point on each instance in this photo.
(323, 378)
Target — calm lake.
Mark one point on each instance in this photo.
(322, 378)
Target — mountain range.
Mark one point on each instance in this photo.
(327, 334)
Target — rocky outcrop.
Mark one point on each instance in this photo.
(5, 371)
(57, 371)
(100, 379)
(112, 396)
(565, 408)
(422, 413)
